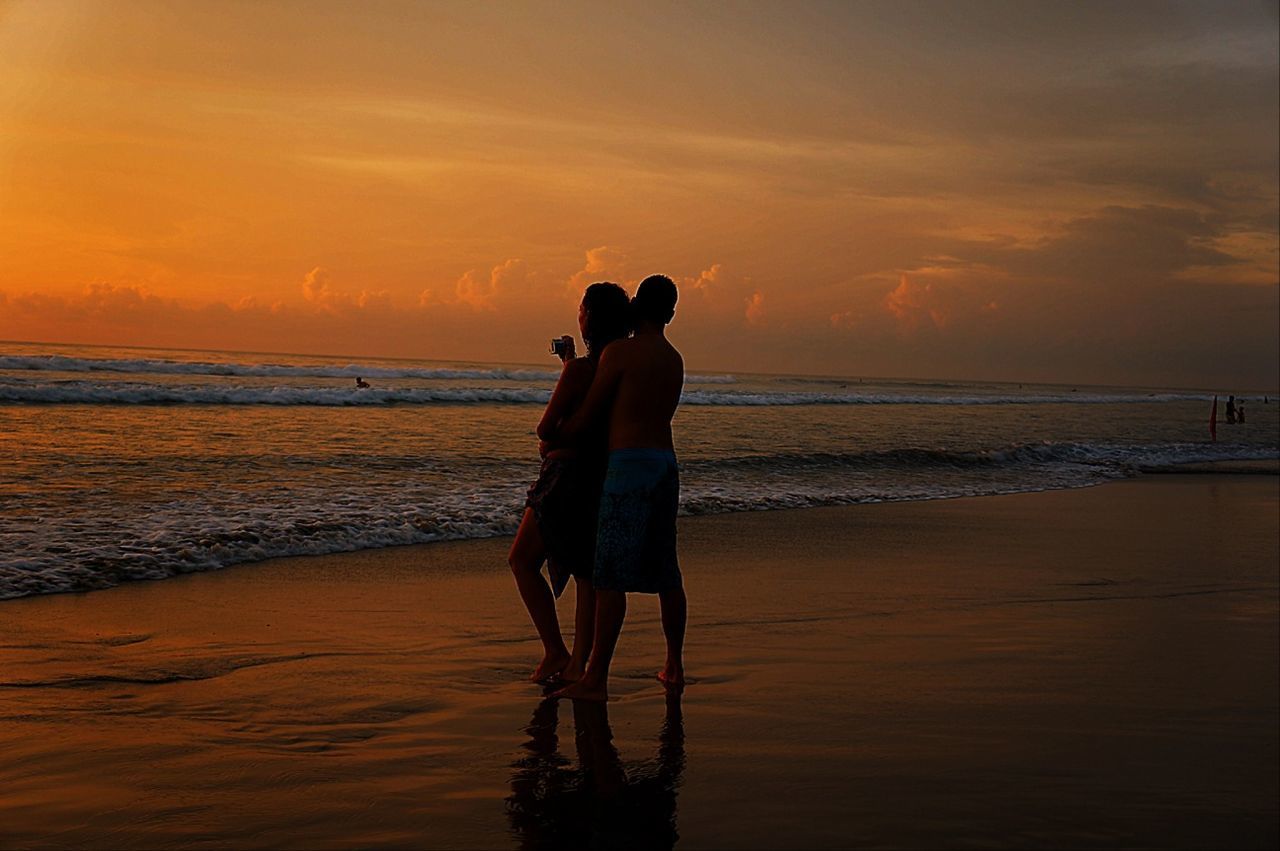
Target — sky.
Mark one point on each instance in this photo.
(1019, 191)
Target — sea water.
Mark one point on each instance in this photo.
(120, 464)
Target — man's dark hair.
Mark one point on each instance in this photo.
(655, 300)
(608, 316)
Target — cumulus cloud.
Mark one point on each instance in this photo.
(128, 304)
(755, 308)
(602, 264)
(315, 286)
(934, 305)
(483, 292)
(318, 290)
(705, 279)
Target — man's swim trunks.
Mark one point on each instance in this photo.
(636, 537)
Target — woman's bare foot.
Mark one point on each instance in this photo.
(672, 675)
(573, 671)
(583, 691)
(551, 665)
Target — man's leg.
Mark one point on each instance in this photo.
(611, 610)
(675, 614)
(584, 631)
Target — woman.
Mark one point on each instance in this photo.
(559, 524)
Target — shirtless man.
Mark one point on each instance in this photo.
(636, 388)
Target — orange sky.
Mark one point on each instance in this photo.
(1021, 191)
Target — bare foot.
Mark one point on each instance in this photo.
(551, 665)
(672, 676)
(573, 671)
(582, 691)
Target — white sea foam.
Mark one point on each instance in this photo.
(138, 393)
(42, 553)
(58, 363)
(161, 366)
(699, 397)
(128, 393)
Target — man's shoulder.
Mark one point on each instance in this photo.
(620, 351)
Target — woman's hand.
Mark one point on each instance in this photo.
(567, 353)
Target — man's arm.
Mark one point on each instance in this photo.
(596, 406)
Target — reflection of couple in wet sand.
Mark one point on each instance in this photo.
(603, 802)
(603, 509)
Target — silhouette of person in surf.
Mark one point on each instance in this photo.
(361, 384)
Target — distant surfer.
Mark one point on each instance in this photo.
(1231, 409)
(361, 384)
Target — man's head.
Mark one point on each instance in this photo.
(655, 300)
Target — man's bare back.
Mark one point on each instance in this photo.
(647, 376)
(636, 387)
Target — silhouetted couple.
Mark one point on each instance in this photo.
(603, 509)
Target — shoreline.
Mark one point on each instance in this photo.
(1261, 467)
(1094, 667)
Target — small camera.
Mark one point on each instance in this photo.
(558, 346)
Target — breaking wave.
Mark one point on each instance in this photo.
(161, 366)
(77, 392)
(219, 530)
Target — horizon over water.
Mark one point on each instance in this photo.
(127, 463)
(7, 347)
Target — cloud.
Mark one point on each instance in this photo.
(843, 319)
(127, 304)
(755, 308)
(934, 305)
(315, 286)
(602, 264)
(706, 278)
(483, 292)
(1113, 246)
(317, 290)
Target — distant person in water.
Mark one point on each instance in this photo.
(635, 392)
(1240, 411)
(1231, 409)
(559, 523)
(361, 384)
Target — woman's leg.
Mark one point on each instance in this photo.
(526, 557)
(584, 631)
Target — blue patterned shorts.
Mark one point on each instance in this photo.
(636, 536)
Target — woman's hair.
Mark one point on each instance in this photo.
(608, 315)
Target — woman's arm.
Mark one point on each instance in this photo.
(569, 390)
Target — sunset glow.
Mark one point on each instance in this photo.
(1016, 191)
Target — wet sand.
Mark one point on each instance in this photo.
(1090, 668)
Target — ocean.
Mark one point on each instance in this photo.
(119, 464)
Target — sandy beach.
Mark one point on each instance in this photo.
(1082, 668)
